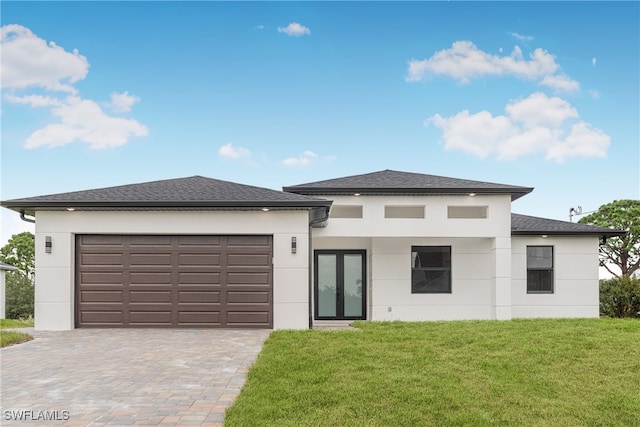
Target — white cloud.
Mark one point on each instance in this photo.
(537, 124)
(584, 140)
(464, 62)
(231, 152)
(259, 27)
(561, 83)
(83, 120)
(593, 61)
(122, 102)
(304, 159)
(521, 37)
(594, 94)
(540, 110)
(29, 61)
(31, 64)
(33, 100)
(295, 29)
(473, 133)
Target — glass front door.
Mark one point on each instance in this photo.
(340, 284)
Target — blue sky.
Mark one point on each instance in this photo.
(540, 94)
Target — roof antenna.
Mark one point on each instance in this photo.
(573, 212)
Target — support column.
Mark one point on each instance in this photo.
(501, 280)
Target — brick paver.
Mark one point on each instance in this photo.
(126, 377)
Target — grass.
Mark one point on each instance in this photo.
(13, 323)
(542, 372)
(14, 337)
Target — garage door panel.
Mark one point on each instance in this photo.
(102, 278)
(246, 260)
(242, 278)
(150, 296)
(102, 259)
(156, 242)
(199, 318)
(247, 318)
(174, 281)
(185, 278)
(150, 278)
(259, 241)
(150, 259)
(203, 241)
(261, 297)
(140, 317)
(202, 260)
(102, 296)
(209, 296)
(101, 240)
(114, 318)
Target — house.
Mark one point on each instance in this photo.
(387, 245)
(4, 268)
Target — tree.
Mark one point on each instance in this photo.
(20, 252)
(622, 251)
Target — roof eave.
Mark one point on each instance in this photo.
(612, 233)
(515, 193)
(258, 204)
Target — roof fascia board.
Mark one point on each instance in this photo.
(166, 204)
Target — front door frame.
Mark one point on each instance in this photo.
(340, 283)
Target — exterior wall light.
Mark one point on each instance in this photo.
(472, 194)
(294, 245)
(47, 244)
(265, 209)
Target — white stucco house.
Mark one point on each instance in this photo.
(387, 245)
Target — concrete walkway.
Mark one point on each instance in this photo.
(155, 377)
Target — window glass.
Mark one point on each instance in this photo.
(540, 269)
(431, 269)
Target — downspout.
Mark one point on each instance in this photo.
(313, 222)
(24, 218)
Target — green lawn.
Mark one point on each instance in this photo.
(13, 337)
(487, 373)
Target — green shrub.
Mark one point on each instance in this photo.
(620, 297)
(19, 296)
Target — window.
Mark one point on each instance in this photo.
(539, 269)
(466, 212)
(404, 211)
(431, 269)
(346, 211)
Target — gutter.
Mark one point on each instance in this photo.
(312, 222)
(24, 218)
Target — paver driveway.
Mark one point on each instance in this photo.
(159, 377)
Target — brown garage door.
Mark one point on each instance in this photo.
(174, 281)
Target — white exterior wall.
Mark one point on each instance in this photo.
(480, 249)
(2, 295)
(576, 284)
(55, 271)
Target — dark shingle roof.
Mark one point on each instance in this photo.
(532, 225)
(191, 192)
(395, 182)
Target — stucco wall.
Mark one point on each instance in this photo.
(54, 299)
(576, 282)
(434, 224)
(389, 294)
